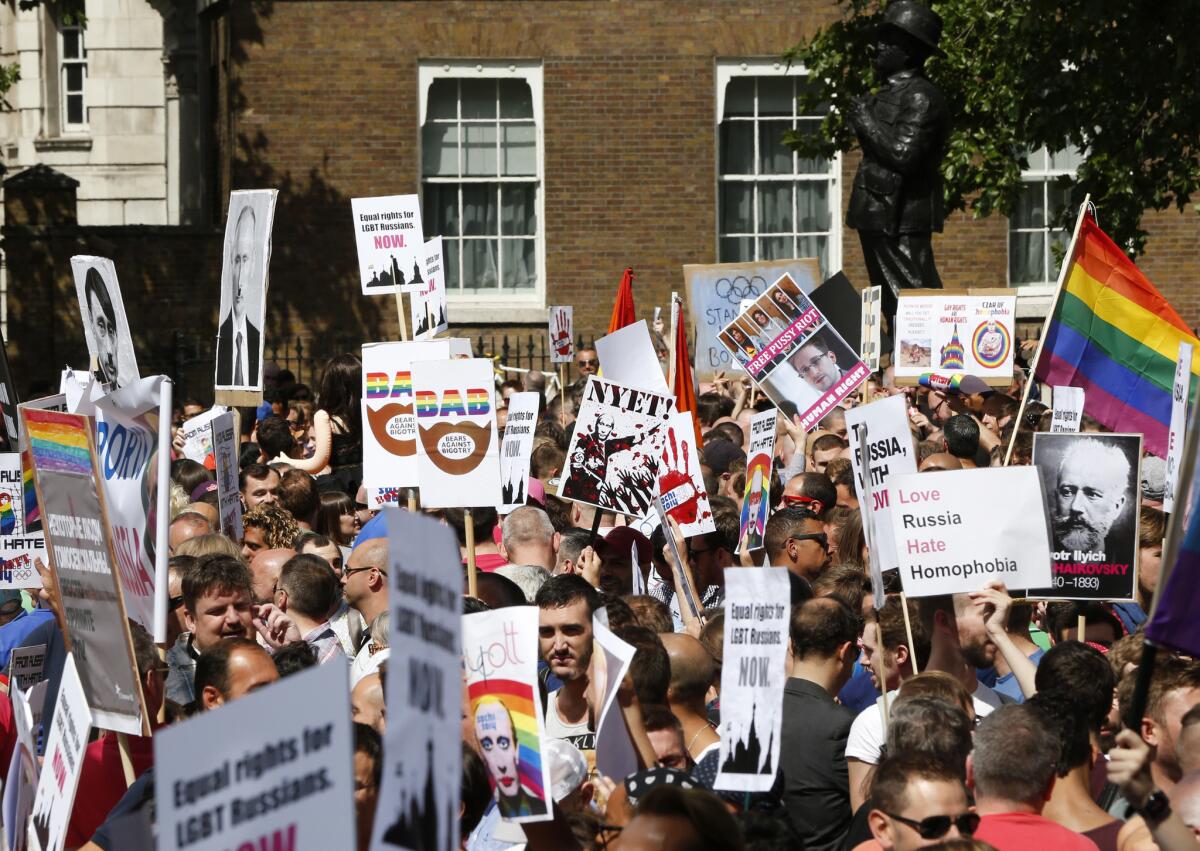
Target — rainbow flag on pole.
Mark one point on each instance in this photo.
(1113, 334)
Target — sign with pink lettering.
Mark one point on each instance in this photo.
(390, 242)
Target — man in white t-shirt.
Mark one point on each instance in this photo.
(565, 604)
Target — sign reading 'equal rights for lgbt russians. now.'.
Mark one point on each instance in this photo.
(956, 530)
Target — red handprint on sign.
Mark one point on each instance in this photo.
(560, 334)
(680, 497)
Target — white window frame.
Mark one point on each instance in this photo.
(726, 71)
(502, 306)
(65, 124)
(1034, 300)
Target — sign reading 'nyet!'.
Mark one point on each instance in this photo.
(958, 529)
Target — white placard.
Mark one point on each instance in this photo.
(627, 357)
(1068, 410)
(753, 674)
(871, 335)
(196, 436)
(271, 769)
(22, 778)
(461, 347)
(19, 544)
(390, 243)
(428, 301)
(1180, 392)
(109, 341)
(516, 449)
(59, 778)
(615, 756)
(225, 453)
(26, 666)
(680, 481)
(954, 332)
(957, 529)
(562, 333)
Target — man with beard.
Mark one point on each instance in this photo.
(589, 479)
(566, 603)
(1089, 495)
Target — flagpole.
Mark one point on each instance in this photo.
(1068, 259)
(673, 360)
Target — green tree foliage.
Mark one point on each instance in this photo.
(1117, 79)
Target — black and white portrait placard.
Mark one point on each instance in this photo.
(247, 258)
(109, 341)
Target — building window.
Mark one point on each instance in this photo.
(772, 204)
(72, 72)
(481, 177)
(1035, 228)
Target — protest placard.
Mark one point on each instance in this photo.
(715, 293)
(627, 357)
(244, 280)
(562, 333)
(461, 347)
(390, 424)
(109, 341)
(1068, 410)
(789, 350)
(458, 454)
(428, 302)
(753, 673)
(80, 543)
(680, 481)
(26, 666)
(390, 242)
(1090, 482)
(21, 777)
(516, 449)
(889, 452)
(8, 403)
(225, 452)
(756, 499)
(612, 459)
(957, 529)
(57, 783)
(968, 331)
(418, 800)
(872, 319)
(500, 654)
(1180, 394)
(21, 537)
(611, 658)
(272, 769)
(196, 437)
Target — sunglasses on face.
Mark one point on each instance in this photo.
(820, 537)
(588, 362)
(935, 827)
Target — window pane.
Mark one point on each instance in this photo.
(520, 265)
(775, 96)
(518, 211)
(71, 44)
(450, 248)
(735, 249)
(439, 150)
(1059, 240)
(1025, 257)
(439, 215)
(479, 150)
(775, 248)
(775, 208)
(810, 165)
(479, 264)
(737, 147)
(516, 99)
(1037, 159)
(773, 156)
(74, 109)
(443, 99)
(74, 78)
(812, 205)
(479, 210)
(735, 214)
(739, 97)
(1029, 212)
(519, 143)
(815, 246)
(478, 99)
(1060, 200)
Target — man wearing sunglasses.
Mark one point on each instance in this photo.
(917, 803)
(586, 363)
(796, 539)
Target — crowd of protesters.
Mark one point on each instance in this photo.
(1015, 733)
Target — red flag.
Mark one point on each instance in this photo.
(622, 312)
(683, 386)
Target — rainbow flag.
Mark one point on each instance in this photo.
(1113, 334)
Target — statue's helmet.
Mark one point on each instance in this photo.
(917, 20)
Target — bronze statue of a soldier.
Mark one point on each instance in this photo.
(896, 202)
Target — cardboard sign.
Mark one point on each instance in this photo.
(889, 452)
(390, 242)
(957, 529)
(872, 318)
(627, 357)
(458, 454)
(272, 769)
(611, 658)
(500, 654)
(613, 456)
(428, 302)
(789, 350)
(422, 780)
(517, 448)
(225, 453)
(715, 294)
(948, 331)
(1068, 410)
(1179, 402)
(389, 423)
(21, 537)
(109, 341)
(680, 480)
(244, 281)
(562, 333)
(1091, 484)
(81, 546)
(26, 666)
(65, 745)
(756, 502)
(753, 674)
(197, 437)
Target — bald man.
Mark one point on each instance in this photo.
(939, 461)
(528, 537)
(365, 579)
(367, 703)
(187, 524)
(265, 567)
(209, 512)
(692, 672)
